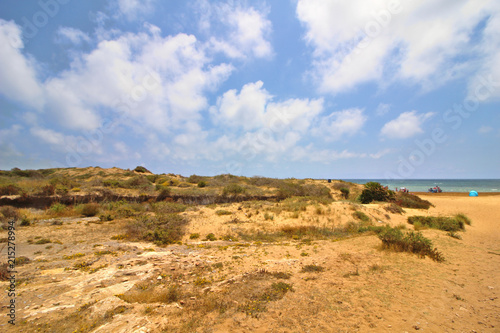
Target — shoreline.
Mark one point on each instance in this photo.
(456, 194)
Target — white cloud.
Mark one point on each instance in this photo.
(132, 9)
(73, 35)
(253, 109)
(245, 30)
(18, 75)
(406, 125)
(342, 123)
(416, 42)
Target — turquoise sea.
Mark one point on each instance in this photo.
(447, 185)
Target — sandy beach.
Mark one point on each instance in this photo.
(362, 288)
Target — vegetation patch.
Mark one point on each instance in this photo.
(455, 223)
(312, 269)
(159, 229)
(413, 242)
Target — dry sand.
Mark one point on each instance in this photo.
(363, 288)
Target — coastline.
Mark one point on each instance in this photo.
(455, 194)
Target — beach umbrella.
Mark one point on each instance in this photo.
(473, 194)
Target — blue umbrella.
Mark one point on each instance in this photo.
(473, 194)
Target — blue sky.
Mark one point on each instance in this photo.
(299, 88)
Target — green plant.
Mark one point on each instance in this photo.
(57, 208)
(361, 216)
(413, 242)
(438, 222)
(393, 208)
(160, 229)
(373, 191)
(223, 212)
(89, 209)
(211, 237)
(409, 200)
(202, 184)
(232, 189)
(312, 268)
(43, 241)
(141, 169)
(194, 236)
(345, 192)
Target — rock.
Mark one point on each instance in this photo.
(159, 277)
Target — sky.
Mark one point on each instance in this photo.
(381, 89)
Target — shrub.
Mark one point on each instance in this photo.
(439, 222)
(89, 209)
(233, 189)
(164, 193)
(408, 200)
(223, 212)
(373, 191)
(393, 208)
(10, 189)
(194, 236)
(194, 179)
(25, 222)
(47, 190)
(57, 208)
(312, 268)
(160, 229)
(138, 182)
(9, 212)
(463, 219)
(413, 242)
(211, 237)
(361, 216)
(168, 207)
(345, 192)
(202, 184)
(141, 169)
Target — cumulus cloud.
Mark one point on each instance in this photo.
(245, 30)
(252, 108)
(341, 123)
(74, 36)
(18, 73)
(132, 9)
(406, 125)
(417, 42)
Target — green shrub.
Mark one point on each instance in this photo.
(160, 229)
(9, 213)
(223, 212)
(312, 268)
(10, 189)
(166, 207)
(233, 189)
(373, 191)
(345, 192)
(438, 222)
(202, 184)
(411, 241)
(89, 209)
(408, 200)
(57, 208)
(194, 236)
(211, 237)
(361, 216)
(141, 169)
(461, 218)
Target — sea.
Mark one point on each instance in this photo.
(446, 185)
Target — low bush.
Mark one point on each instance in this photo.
(233, 189)
(413, 242)
(166, 207)
(312, 268)
(141, 169)
(373, 191)
(444, 223)
(361, 216)
(159, 229)
(88, 209)
(10, 189)
(9, 213)
(393, 208)
(345, 192)
(408, 200)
